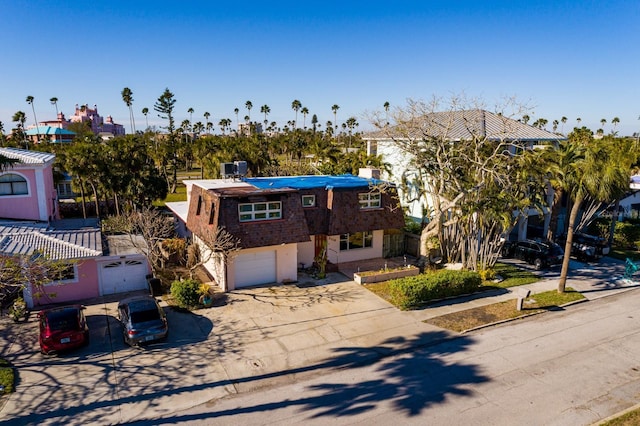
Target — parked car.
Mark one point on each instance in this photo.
(541, 254)
(142, 319)
(62, 328)
(587, 247)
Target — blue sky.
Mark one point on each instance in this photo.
(562, 58)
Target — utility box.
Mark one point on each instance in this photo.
(522, 294)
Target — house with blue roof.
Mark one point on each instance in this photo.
(284, 223)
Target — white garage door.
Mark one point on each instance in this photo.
(121, 276)
(255, 268)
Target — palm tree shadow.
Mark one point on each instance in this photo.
(412, 382)
(411, 375)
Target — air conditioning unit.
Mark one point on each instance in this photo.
(227, 169)
(240, 168)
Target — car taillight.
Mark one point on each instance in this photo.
(132, 332)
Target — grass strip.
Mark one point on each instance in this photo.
(496, 312)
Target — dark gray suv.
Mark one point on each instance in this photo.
(541, 254)
(142, 319)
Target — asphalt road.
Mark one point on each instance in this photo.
(571, 367)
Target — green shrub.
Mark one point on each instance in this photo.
(186, 293)
(600, 227)
(626, 235)
(6, 376)
(411, 292)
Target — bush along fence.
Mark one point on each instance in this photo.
(411, 292)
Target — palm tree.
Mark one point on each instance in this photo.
(603, 121)
(615, 121)
(335, 109)
(190, 111)
(296, 105)
(145, 111)
(236, 111)
(314, 122)
(305, 112)
(206, 120)
(525, 119)
(578, 120)
(598, 175)
(386, 110)
(248, 105)
(30, 102)
(264, 109)
(54, 102)
(127, 98)
(20, 118)
(555, 125)
(563, 120)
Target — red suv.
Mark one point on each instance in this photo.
(62, 328)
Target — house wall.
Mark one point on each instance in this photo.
(347, 216)
(40, 203)
(334, 255)
(306, 252)
(84, 287)
(292, 228)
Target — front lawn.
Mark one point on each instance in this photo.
(512, 276)
(496, 312)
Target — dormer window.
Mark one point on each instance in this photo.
(308, 201)
(212, 213)
(199, 208)
(249, 212)
(369, 200)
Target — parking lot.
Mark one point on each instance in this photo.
(255, 338)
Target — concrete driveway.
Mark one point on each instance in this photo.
(255, 338)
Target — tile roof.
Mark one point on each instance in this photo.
(465, 125)
(27, 157)
(24, 238)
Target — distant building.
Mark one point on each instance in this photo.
(99, 125)
(57, 130)
(50, 134)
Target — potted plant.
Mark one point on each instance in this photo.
(18, 310)
(205, 295)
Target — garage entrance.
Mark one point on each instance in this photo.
(121, 276)
(255, 268)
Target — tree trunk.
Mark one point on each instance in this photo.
(555, 212)
(567, 247)
(614, 219)
(84, 207)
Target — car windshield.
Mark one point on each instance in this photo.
(145, 315)
(63, 320)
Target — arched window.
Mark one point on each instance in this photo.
(13, 184)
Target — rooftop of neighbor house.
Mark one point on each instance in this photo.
(27, 157)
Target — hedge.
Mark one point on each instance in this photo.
(411, 292)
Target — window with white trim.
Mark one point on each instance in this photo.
(369, 200)
(13, 184)
(308, 201)
(356, 240)
(62, 274)
(269, 210)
